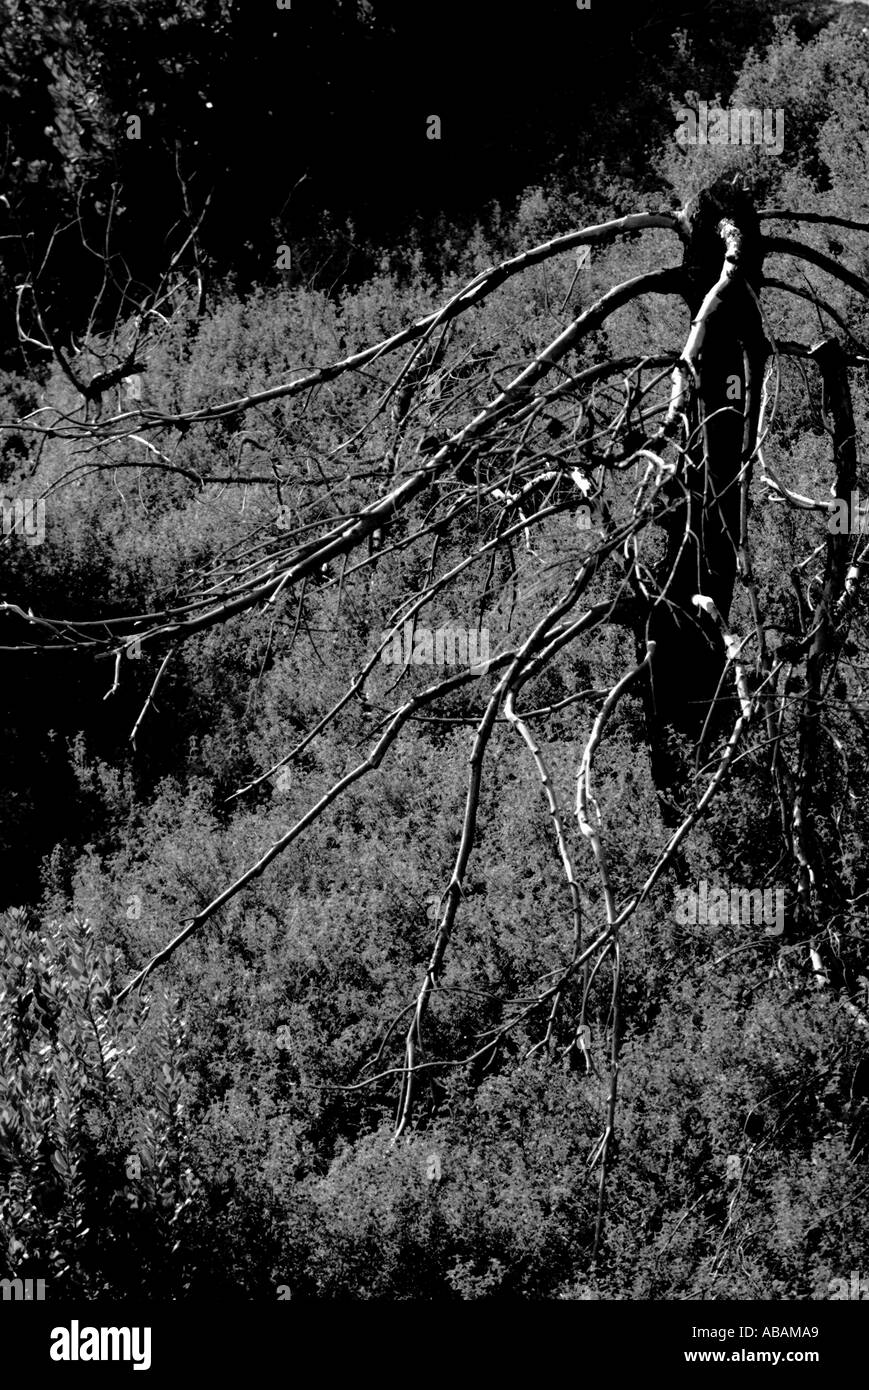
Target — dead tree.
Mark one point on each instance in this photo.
(667, 453)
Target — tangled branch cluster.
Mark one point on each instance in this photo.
(627, 443)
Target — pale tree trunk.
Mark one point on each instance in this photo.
(718, 414)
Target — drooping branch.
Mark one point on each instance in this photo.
(542, 632)
(784, 246)
(772, 283)
(342, 539)
(471, 295)
(828, 219)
